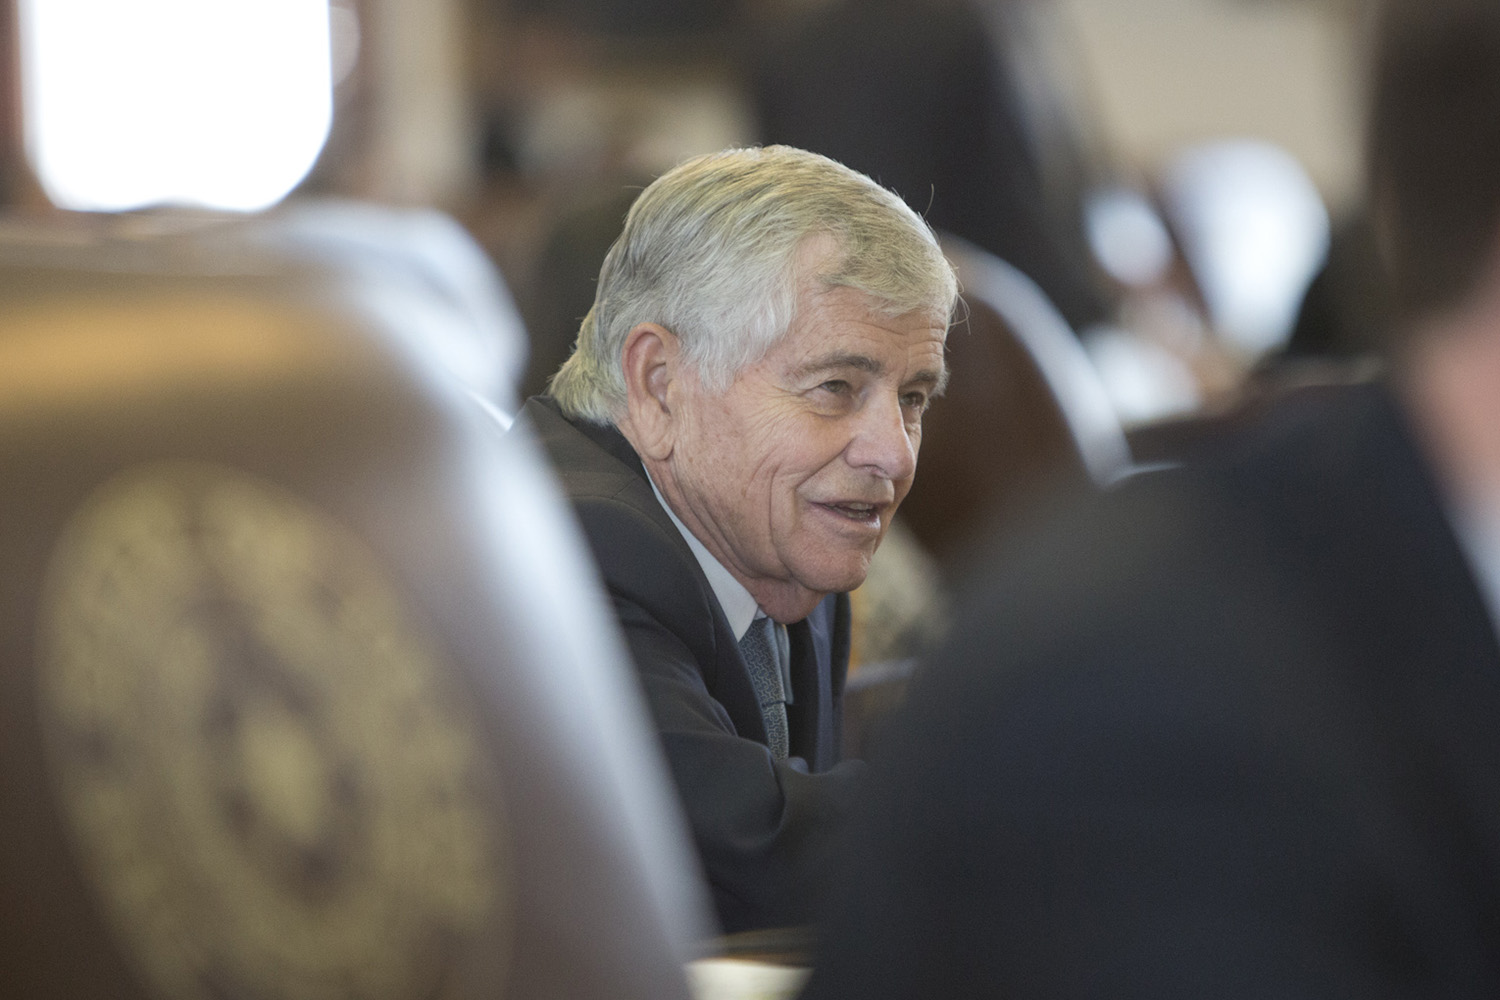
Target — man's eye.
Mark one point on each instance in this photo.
(836, 386)
(915, 401)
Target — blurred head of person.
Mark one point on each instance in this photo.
(1433, 149)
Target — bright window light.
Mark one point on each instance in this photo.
(1255, 230)
(221, 104)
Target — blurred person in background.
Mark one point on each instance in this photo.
(951, 104)
(1230, 731)
(736, 427)
(581, 104)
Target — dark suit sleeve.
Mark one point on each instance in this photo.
(1084, 839)
(762, 827)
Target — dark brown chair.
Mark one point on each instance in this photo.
(306, 689)
(1024, 411)
(1025, 415)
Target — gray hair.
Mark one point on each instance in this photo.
(710, 251)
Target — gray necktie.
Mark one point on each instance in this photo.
(759, 648)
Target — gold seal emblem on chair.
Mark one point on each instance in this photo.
(269, 774)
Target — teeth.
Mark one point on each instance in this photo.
(859, 511)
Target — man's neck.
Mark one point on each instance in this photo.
(1451, 384)
(737, 603)
(1450, 381)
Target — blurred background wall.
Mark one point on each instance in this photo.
(1165, 73)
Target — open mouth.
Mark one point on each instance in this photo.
(862, 513)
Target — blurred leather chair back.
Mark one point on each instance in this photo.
(1024, 411)
(306, 689)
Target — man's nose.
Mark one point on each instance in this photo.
(882, 443)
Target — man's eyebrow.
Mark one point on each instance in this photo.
(835, 362)
(936, 381)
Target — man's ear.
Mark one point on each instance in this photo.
(651, 358)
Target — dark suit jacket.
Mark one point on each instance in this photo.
(761, 825)
(1233, 731)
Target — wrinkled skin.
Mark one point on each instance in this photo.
(791, 476)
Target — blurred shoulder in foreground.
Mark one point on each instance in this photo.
(1228, 730)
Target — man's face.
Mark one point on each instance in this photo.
(791, 477)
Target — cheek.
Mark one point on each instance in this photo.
(818, 451)
(783, 446)
(722, 446)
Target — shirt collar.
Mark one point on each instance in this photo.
(739, 607)
(1477, 525)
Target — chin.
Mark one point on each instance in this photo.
(836, 579)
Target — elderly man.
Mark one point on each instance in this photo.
(736, 427)
(1234, 731)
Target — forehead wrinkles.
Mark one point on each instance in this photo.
(833, 314)
(902, 346)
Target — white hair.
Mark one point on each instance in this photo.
(710, 251)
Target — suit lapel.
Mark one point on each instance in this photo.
(1428, 616)
(1394, 579)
